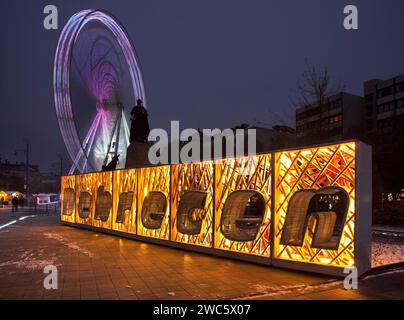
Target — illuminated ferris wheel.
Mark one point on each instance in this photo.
(97, 80)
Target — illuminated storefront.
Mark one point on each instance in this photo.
(307, 209)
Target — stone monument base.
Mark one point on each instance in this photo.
(137, 155)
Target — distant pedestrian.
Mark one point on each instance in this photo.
(15, 205)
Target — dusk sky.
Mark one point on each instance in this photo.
(205, 63)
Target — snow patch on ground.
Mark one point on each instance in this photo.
(300, 289)
(29, 260)
(68, 243)
(296, 289)
(384, 253)
(384, 228)
(382, 274)
(259, 288)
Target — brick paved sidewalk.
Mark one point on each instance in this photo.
(99, 266)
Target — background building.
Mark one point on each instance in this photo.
(269, 139)
(377, 119)
(384, 102)
(339, 118)
(12, 177)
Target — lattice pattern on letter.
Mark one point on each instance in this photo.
(84, 183)
(67, 182)
(244, 174)
(102, 179)
(153, 179)
(313, 169)
(124, 182)
(195, 177)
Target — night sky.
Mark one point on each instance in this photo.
(206, 63)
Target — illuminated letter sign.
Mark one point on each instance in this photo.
(103, 204)
(307, 209)
(328, 206)
(242, 215)
(125, 204)
(85, 201)
(68, 201)
(154, 208)
(187, 221)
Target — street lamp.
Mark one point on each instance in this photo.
(60, 163)
(26, 151)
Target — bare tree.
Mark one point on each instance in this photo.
(315, 86)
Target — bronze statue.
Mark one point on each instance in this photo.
(139, 129)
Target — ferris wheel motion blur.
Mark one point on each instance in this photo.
(96, 79)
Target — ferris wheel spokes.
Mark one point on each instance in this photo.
(114, 136)
(81, 162)
(118, 140)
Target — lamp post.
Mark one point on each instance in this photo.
(26, 151)
(60, 166)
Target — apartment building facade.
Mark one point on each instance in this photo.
(339, 117)
(384, 104)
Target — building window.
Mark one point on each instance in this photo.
(324, 124)
(336, 120)
(369, 98)
(300, 116)
(385, 107)
(385, 92)
(384, 126)
(400, 86)
(369, 110)
(325, 107)
(369, 125)
(335, 105)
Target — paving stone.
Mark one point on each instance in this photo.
(99, 266)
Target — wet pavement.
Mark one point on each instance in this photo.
(98, 266)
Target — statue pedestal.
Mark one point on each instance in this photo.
(137, 155)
